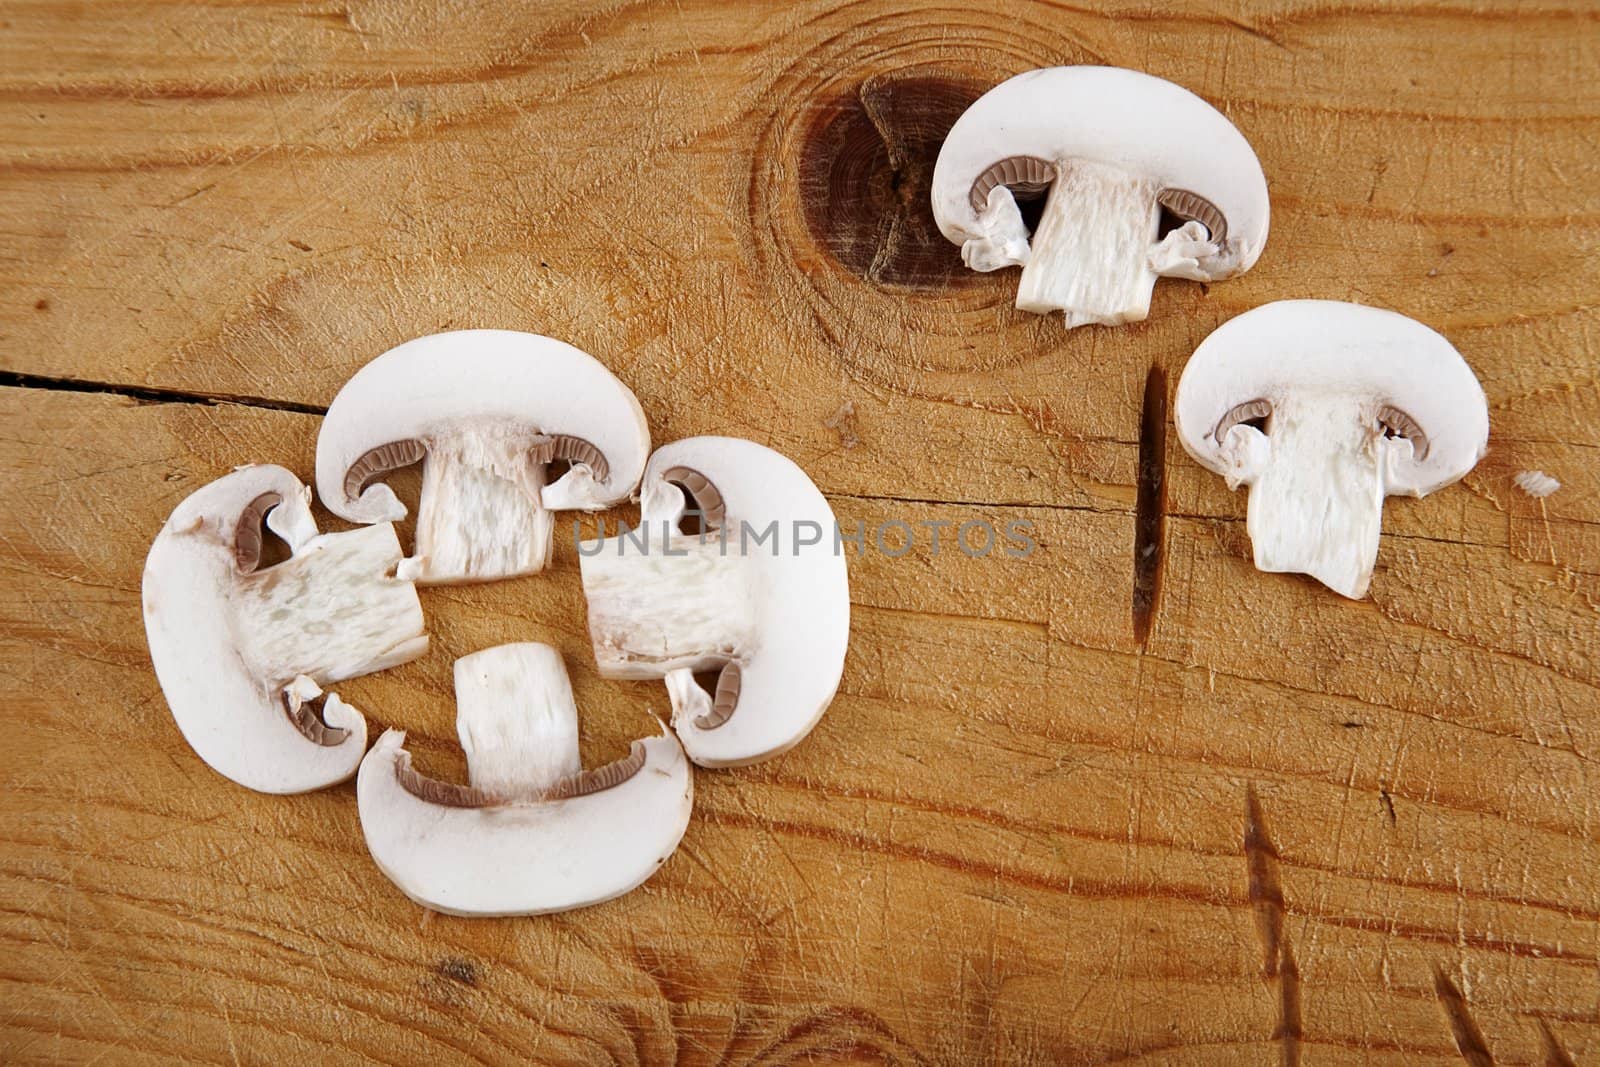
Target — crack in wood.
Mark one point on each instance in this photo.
(1266, 898)
(1554, 1054)
(152, 394)
(1149, 526)
(1469, 1039)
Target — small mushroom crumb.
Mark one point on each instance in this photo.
(843, 422)
(1536, 484)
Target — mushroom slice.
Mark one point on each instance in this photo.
(1113, 148)
(485, 411)
(533, 832)
(1360, 404)
(759, 597)
(242, 650)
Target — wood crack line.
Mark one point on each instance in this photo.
(152, 394)
(1469, 1039)
(1266, 898)
(1149, 524)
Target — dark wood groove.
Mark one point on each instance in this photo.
(1555, 1055)
(1149, 523)
(1266, 898)
(1469, 1039)
(152, 394)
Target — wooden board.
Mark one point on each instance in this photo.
(1286, 828)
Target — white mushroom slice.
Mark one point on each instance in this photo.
(485, 411)
(1109, 148)
(533, 832)
(760, 596)
(240, 649)
(1324, 408)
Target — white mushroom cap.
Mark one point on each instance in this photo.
(239, 650)
(1353, 404)
(771, 611)
(1132, 120)
(488, 409)
(532, 833)
(1331, 347)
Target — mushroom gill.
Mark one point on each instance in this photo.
(247, 532)
(1392, 422)
(571, 449)
(1192, 206)
(707, 499)
(381, 460)
(454, 795)
(1249, 411)
(1025, 176)
(726, 700)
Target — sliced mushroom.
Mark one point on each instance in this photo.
(1113, 148)
(1355, 404)
(485, 411)
(760, 597)
(241, 650)
(532, 832)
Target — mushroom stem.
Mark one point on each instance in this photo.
(481, 517)
(1090, 255)
(330, 611)
(517, 720)
(675, 602)
(1316, 507)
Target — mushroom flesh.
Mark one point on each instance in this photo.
(759, 596)
(1323, 408)
(533, 832)
(241, 650)
(1109, 150)
(485, 412)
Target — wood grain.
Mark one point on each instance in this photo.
(1283, 828)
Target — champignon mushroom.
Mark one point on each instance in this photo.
(485, 411)
(1324, 408)
(241, 649)
(533, 832)
(1108, 149)
(758, 595)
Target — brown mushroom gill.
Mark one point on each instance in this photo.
(452, 795)
(1025, 176)
(1029, 176)
(403, 453)
(310, 724)
(726, 700)
(247, 533)
(1393, 422)
(704, 496)
(1247, 412)
(1194, 207)
(381, 460)
(572, 450)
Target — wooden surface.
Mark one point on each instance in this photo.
(1290, 828)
